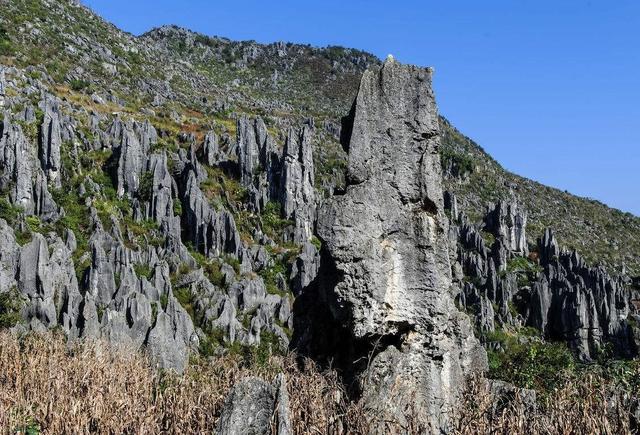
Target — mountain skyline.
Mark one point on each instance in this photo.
(495, 89)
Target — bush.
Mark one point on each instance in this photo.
(11, 303)
(145, 189)
(6, 46)
(8, 212)
(457, 164)
(272, 223)
(143, 270)
(79, 85)
(529, 363)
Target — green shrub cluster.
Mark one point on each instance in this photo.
(11, 303)
(459, 164)
(528, 362)
(6, 46)
(272, 223)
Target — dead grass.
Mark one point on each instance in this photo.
(51, 387)
(589, 405)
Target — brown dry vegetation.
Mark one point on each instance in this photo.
(588, 405)
(48, 386)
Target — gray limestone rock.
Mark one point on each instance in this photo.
(17, 158)
(212, 155)
(508, 222)
(172, 336)
(212, 232)
(44, 205)
(9, 257)
(305, 268)
(297, 191)
(258, 161)
(3, 86)
(387, 239)
(248, 409)
(50, 141)
(131, 143)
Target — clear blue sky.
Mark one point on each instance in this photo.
(550, 88)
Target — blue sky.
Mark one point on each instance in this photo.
(551, 89)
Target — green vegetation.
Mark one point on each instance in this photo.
(6, 46)
(272, 224)
(459, 164)
(143, 270)
(9, 212)
(210, 267)
(11, 303)
(251, 356)
(526, 270)
(528, 363)
(270, 277)
(316, 242)
(145, 190)
(79, 85)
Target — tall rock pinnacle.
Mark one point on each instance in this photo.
(385, 239)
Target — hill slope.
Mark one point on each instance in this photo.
(171, 68)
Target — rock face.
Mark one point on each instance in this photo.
(385, 239)
(550, 289)
(252, 405)
(297, 191)
(50, 142)
(509, 222)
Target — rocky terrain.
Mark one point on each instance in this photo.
(188, 195)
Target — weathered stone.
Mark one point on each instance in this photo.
(50, 141)
(508, 222)
(3, 86)
(44, 205)
(297, 190)
(248, 409)
(387, 239)
(211, 232)
(17, 157)
(172, 336)
(9, 257)
(211, 152)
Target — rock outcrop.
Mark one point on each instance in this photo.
(550, 289)
(253, 405)
(297, 191)
(385, 245)
(508, 222)
(51, 141)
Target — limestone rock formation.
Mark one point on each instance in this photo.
(297, 191)
(551, 289)
(258, 161)
(509, 222)
(50, 141)
(251, 406)
(386, 240)
(2, 86)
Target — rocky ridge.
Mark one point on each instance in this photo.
(200, 215)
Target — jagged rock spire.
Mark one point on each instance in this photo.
(297, 191)
(508, 222)
(387, 239)
(50, 141)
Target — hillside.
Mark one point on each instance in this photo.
(216, 79)
(291, 216)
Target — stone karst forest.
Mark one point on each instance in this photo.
(200, 235)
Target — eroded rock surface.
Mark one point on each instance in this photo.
(386, 241)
